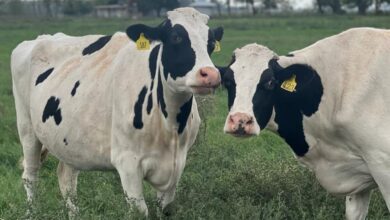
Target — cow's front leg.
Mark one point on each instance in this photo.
(356, 206)
(164, 198)
(67, 179)
(131, 178)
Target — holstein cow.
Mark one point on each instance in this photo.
(99, 103)
(330, 102)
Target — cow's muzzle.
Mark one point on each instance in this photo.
(240, 125)
(208, 79)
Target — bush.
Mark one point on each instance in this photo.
(77, 7)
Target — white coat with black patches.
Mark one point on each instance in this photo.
(85, 99)
(335, 119)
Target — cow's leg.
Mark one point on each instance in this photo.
(165, 198)
(131, 179)
(381, 176)
(67, 179)
(356, 205)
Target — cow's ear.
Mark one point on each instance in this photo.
(218, 33)
(152, 33)
(295, 77)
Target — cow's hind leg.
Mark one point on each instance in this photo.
(356, 206)
(67, 179)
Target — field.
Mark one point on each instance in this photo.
(225, 178)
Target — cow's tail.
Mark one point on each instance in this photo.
(44, 153)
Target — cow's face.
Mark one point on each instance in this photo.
(260, 83)
(247, 81)
(187, 43)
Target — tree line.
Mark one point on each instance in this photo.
(52, 8)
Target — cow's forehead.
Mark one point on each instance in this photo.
(251, 61)
(192, 20)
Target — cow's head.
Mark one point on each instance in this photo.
(254, 81)
(187, 43)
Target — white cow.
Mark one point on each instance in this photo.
(331, 104)
(102, 103)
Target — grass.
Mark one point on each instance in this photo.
(225, 178)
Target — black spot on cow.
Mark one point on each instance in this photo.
(65, 141)
(227, 76)
(43, 76)
(76, 85)
(97, 45)
(153, 63)
(137, 123)
(52, 110)
(150, 103)
(290, 107)
(183, 115)
(160, 97)
(290, 55)
(178, 57)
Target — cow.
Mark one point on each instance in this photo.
(114, 103)
(330, 102)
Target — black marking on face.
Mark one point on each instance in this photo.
(76, 85)
(65, 141)
(153, 63)
(137, 123)
(228, 82)
(178, 57)
(52, 109)
(150, 103)
(183, 115)
(44, 76)
(97, 45)
(160, 97)
(263, 99)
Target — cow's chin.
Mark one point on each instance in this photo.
(202, 90)
(241, 135)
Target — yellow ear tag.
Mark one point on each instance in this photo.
(142, 43)
(289, 84)
(217, 47)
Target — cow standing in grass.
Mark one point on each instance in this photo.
(100, 103)
(330, 102)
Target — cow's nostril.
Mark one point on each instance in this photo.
(231, 119)
(250, 122)
(203, 74)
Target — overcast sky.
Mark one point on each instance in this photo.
(299, 4)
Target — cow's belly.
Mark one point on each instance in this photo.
(338, 170)
(82, 137)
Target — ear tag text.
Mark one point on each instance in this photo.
(289, 84)
(142, 43)
(217, 47)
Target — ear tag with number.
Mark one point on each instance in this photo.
(289, 84)
(217, 47)
(142, 43)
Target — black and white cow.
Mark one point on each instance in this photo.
(99, 103)
(330, 102)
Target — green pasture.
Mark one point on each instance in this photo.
(225, 177)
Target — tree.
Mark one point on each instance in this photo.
(145, 6)
(335, 5)
(378, 4)
(252, 4)
(362, 5)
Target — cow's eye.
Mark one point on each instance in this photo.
(176, 39)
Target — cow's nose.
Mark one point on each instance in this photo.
(209, 77)
(240, 124)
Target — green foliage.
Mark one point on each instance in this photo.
(146, 6)
(225, 177)
(77, 7)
